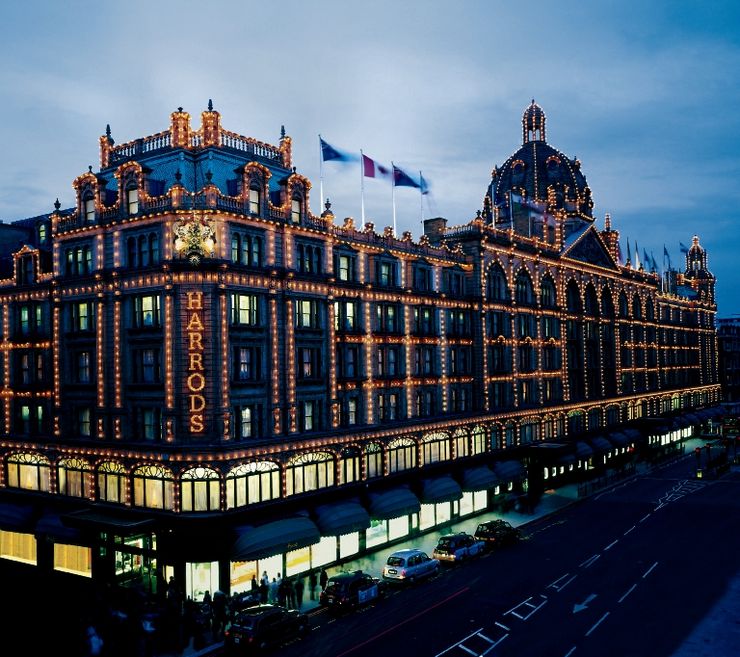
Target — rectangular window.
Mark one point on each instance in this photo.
(149, 423)
(82, 319)
(246, 422)
(247, 364)
(147, 365)
(310, 415)
(254, 201)
(345, 268)
(244, 309)
(89, 210)
(146, 311)
(132, 201)
(309, 363)
(307, 313)
(84, 367)
(388, 318)
(345, 316)
(385, 273)
(423, 320)
(351, 411)
(295, 211)
(84, 425)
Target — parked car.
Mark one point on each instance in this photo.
(409, 565)
(264, 626)
(497, 532)
(454, 548)
(348, 590)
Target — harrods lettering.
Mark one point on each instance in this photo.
(196, 380)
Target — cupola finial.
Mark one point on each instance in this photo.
(57, 204)
(210, 105)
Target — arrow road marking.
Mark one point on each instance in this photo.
(584, 604)
(598, 622)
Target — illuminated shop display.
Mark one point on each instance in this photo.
(191, 339)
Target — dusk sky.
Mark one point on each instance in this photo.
(645, 94)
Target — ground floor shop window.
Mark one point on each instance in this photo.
(349, 544)
(466, 504)
(480, 500)
(398, 527)
(298, 561)
(73, 559)
(18, 547)
(240, 578)
(434, 514)
(377, 533)
(201, 577)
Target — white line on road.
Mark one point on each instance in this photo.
(611, 545)
(598, 622)
(632, 588)
(515, 606)
(560, 587)
(503, 627)
(629, 530)
(649, 570)
(590, 561)
(644, 518)
(570, 652)
(459, 643)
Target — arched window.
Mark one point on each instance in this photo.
(462, 443)
(435, 447)
(154, 487)
(42, 234)
(307, 472)
(636, 307)
(592, 303)
(497, 284)
(28, 471)
(529, 431)
(607, 305)
(478, 441)
(250, 483)
(548, 298)
(349, 465)
(200, 490)
(112, 482)
(72, 477)
(524, 293)
(373, 460)
(649, 310)
(624, 310)
(401, 454)
(573, 298)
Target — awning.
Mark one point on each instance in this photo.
(118, 523)
(692, 418)
(633, 434)
(393, 503)
(601, 445)
(479, 478)
(50, 525)
(16, 517)
(717, 411)
(510, 470)
(274, 538)
(703, 415)
(618, 439)
(440, 489)
(566, 459)
(341, 518)
(584, 451)
(683, 422)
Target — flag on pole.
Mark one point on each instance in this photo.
(329, 153)
(629, 254)
(684, 248)
(423, 185)
(637, 256)
(373, 169)
(403, 179)
(667, 256)
(645, 257)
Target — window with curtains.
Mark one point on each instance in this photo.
(142, 250)
(132, 200)
(73, 477)
(307, 314)
(250, 483)
(462, 443)
(245, 310)
(28, 471)
(478, 440)
(82, 316)
(254, 200)
(112, 482)
(388, 318)
(147, 311)
(154, 487)
(246, 249)
(88, 208)
(401, 454)
(346, 316)
(309, 472)
(435, 447)
(349, 465)
(200, 490)
(497, 286)
(373, 460)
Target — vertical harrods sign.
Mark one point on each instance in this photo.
(195, 382)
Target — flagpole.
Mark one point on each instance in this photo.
(321, 176)
(393, 194)
(511, 212)
(421, 201)
(362, 189)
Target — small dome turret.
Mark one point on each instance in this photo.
(533, 123)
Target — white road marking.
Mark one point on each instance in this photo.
(629, 530)
(560, 587)
(598, 622)
(503, 627)
(644, 518)
(632, 588)
(649, 570)
(611, 545)
(533, 608)
(590, 561)
(570, 652)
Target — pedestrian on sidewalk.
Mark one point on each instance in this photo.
(264, 590)
(298, 593)
(290, 590)
(282, 593)
(312, 584)
(272, 594)
(323, 578)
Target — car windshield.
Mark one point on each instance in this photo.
(482, 529)
(246, 620)
(395, 561)
(445, 543)
(334, 588)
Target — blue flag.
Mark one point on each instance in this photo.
(423, 184)
(329, 152)
(403, 179)
(684, 248)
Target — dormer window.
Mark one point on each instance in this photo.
(132, 200)
(295, 211)
(42, 234)
(89, 209)
(254, 201)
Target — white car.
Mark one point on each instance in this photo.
(454, 548)
(409, 565)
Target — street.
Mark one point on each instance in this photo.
(626, 573)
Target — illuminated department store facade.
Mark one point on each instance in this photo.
(201, 378)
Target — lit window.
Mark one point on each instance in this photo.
(83, 421)
(82, 315)
(132, 200)
(295, 210)
(244, 309)
(245, 422)
(254, 201)
(146, 311)
(89, 210)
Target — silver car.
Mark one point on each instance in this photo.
(409, 565)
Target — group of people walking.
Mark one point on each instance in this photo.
(286, 591)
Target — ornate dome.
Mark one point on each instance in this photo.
(540, 173)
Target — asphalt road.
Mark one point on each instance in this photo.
(627, 573)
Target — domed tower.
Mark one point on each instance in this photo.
(697, 274)
(537, 178)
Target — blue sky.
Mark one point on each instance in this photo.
(644, 94)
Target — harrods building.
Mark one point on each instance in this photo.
(201, 378)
